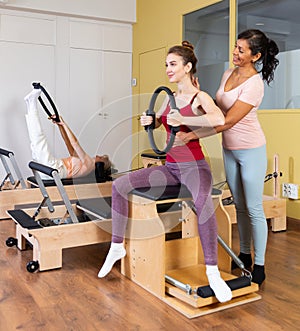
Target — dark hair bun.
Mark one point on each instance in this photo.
(273, 48)
(187, 44)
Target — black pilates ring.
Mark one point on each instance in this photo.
(39, 86)
(151, 127)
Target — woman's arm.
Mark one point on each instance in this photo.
(71, 141)
(212, 115)
(237, 112)
(182, 138)
(66, 139)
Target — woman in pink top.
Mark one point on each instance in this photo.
(244, 145)
(185, 164)
(77, 164)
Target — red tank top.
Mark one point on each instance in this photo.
(192, 151)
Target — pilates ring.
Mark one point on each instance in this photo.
(151, 127)
(40, 87)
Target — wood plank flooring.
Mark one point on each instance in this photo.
(73, 298)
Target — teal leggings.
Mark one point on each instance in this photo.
(245, 173)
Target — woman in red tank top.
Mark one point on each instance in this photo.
(185, 164)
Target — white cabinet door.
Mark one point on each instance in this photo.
(85, 97)
(100, 96)
(20, 65)
(117, 108)
(27, 54)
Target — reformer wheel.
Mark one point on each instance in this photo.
(151, 127)
(32, 266)
(10, 242)
(40, 87)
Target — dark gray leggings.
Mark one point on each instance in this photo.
(197, 178)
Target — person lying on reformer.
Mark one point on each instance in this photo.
(77, 164)
(185, 164)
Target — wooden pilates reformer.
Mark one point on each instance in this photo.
(164, 254)
(16, 196)
(50, 229)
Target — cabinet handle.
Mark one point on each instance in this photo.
(105, 115)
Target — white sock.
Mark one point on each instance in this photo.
(116, 252)
(217, 284)
(31, 99)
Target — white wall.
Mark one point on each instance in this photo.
(117, 10)
(85, 65)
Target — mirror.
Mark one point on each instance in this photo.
(208, 30)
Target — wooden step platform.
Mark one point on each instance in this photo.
(192, 305)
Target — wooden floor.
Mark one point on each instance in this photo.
(73, 298)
